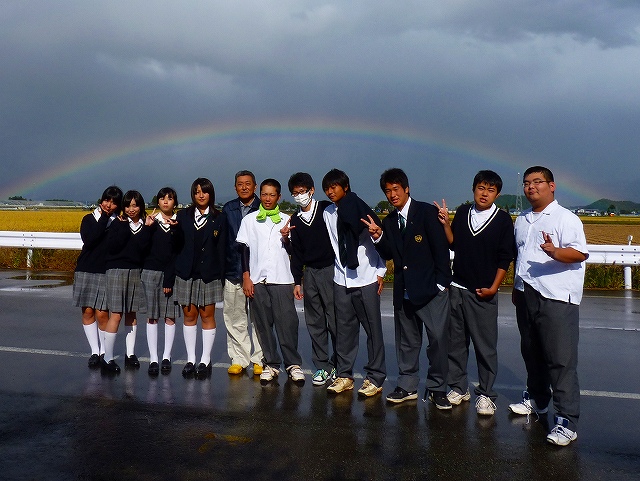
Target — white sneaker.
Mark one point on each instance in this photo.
(526, 406)
(561, 435)
(320, 378)
(268, 373)
(485, 406)
(456, 398)
(295, 373)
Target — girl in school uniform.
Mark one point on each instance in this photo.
(158, 275)
(89, 282)
(199, 272)
(128, 240)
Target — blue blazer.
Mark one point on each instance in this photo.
(420, 255)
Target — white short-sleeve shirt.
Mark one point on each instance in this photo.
(551, 278)
(268, 258)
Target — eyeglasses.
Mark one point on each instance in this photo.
(297, 193)
(535, 182)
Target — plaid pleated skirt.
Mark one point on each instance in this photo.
(159, 305)
(90, 290)
(124, 291)
(197, 292)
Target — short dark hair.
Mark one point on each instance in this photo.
(300, 179)
(114, 194)
(242, 173)
(207, 187)
(335, 177)
(488, 177)
(131, 195)
(394, 176)
(272, 183)
(546, 173)
(167, 191)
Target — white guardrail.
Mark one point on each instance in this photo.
(622, 255)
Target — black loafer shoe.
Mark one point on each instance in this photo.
(440, 399)
(154, 369)
(165, 367)
(203, 370)
(131, 361)
(110, 367)
(400, 395)
(94, 361)
(188, 369)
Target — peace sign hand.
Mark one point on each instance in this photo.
(286, 229)
(443, 213)
(375, 231)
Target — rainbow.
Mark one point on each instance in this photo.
(353, 131)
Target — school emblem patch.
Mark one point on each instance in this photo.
(418, 238)
(215, 233)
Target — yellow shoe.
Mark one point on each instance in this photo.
(235, 369)
(257, 369)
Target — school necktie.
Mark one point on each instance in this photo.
(402, 223)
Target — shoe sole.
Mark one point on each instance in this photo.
(527, 413)
(440, 406)
(459, 401)
(319, 383)
(370, 394)
(341, 390)
(555, 443)
(410, 397)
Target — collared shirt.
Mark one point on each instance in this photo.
(552, 279)
(306, 216)
(479, 218)
(370, 264)
(268, 258)
(404, 212)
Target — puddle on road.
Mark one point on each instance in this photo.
(62, 279)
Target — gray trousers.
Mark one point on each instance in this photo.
(408, 322)
(355, 306)
(473, 319)
(320, 316)
(549, 332)
(272, 307)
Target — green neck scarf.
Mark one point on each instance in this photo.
(273, 214)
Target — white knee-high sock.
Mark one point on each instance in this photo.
(169, 336)
(91, 331)
(101, 337)
(190, 333)
(208, 337)
(130, 340)
(109, 342)
(152, 341)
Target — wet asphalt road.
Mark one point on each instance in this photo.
(61, 420)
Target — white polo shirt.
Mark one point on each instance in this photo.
(551, 278)
(370, 264)
(268, 258)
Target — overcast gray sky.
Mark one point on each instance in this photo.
(146, 94)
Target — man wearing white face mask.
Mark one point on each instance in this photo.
(313, 257)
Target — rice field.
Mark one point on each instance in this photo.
(598, 230)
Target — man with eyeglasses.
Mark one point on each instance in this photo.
(312, 259)
(549, 278)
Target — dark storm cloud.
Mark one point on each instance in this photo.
(503, 83)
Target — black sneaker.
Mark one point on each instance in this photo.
(131, 361)
(400, 395)
(439, 398)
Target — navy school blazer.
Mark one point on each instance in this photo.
(420, 256)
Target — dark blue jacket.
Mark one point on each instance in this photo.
(420, 256)
(211, 250)
(234, 217)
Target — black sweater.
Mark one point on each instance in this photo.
(94, 251)
(310, 242)
(126, 249)
(162, 251)
(479, 256)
